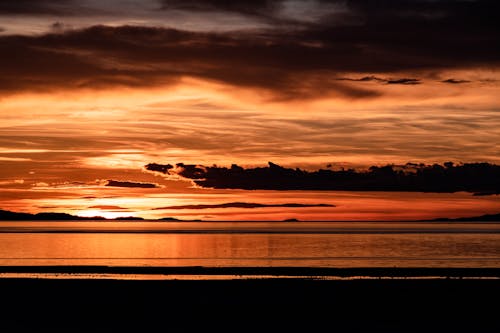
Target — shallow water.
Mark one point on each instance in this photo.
(250, 244)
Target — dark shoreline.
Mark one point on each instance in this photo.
(289, 304)
(300, 272)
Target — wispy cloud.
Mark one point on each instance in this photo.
(117, 183)
(243, 205)
(455, 81)
(372, 78)
(404, 81)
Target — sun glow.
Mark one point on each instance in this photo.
(102, 213)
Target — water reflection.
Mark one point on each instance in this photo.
(253, 249)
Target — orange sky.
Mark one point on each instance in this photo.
(58, 149)
(87, 114)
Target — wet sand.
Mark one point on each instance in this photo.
(398, 304)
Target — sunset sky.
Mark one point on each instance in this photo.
(91, 91)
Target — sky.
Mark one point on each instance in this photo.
(91, 91)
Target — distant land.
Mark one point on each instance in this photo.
(14, 216)
(6, 215)
(482, 218)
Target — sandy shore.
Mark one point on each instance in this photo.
(360, 305)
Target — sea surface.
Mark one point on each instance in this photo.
(251, 244)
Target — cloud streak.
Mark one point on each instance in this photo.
(455, 81)
(244, 205)
(117, 183)
(403, 81)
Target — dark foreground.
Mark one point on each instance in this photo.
(259, 305)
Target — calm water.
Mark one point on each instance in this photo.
(221, 244)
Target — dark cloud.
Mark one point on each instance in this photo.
(40, 7)
(370, 78)
(59, 27)
(470, 177)
(244, 205)
(268, 11)
(455, 81)
(404, 81)
(382, 80)
(140, 57)
(116, 183)
(246, 7)
(393, 37)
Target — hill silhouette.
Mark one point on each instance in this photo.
(482, 218)
(6, 215)
(14, 216)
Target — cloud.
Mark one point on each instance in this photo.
(117, 183)
(244, 205)
(363, 79)
(59, 27)
(39, 7)
(140, 57)
(12, 182)
(108, 207)
(14, 159)
(404, 81)
(470, 177)
(373, 78)
(246, 7)
(395, 38)
(455, 81)
(280, 13)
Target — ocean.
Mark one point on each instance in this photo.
(248, 244)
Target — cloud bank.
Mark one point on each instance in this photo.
(302, 60)
(469, 177)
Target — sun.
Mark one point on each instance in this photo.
(102, 213)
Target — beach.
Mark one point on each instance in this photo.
(369, 304)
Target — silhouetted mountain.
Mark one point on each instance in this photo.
(173, 219)
(482, 218)
(480, 178)
(6, 215)
(13, 216)
(129, 218)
